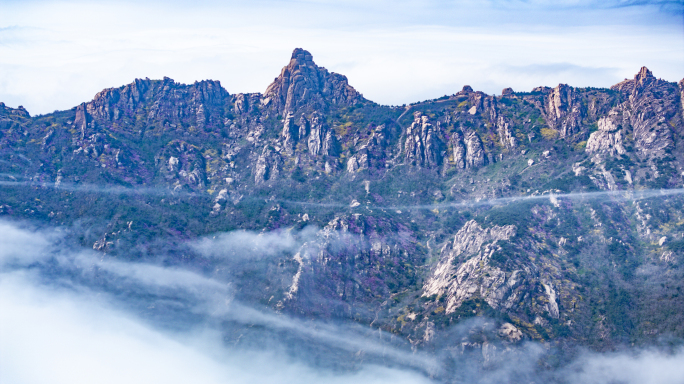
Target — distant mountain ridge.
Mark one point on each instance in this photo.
(304, 93)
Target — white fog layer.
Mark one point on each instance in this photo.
(77, 331)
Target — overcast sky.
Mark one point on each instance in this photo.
(57, 54)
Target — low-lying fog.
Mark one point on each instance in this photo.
(72, 315)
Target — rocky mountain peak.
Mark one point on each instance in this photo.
(301, 57)
(507, 92)
(644, 75)
(304, 84)
(19, 111)
(642, 79)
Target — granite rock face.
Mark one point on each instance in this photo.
(267, 166)
(322, 140)
(423, 145)
(563, 110)
(470, 267)
(506, 137)
(649, 111)
(474, 151)
(304, 84)
(182, 165)
(290, 132)
(350, 256)
(458, 282)
(608, 139)
(458, 150)
(642, 127)
(166, 101)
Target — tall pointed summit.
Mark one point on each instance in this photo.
(641, 80)
(304, 84)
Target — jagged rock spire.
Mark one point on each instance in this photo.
(302, 83)
(644, 73)
(641, 80)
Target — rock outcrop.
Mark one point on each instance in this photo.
(302, 83)
(267, 166)
(563, 110)
(458, 150)
(350, 256)
(111, 103)
(608, 139)
(466, 150)
(650, 107)
(322, 140)
(290, 133)
(163, 104)
(475, 156)
(182, 166)
(504, 132)
(423, 144)
(464, 270)
(374, 151)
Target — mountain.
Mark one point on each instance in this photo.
(553, 215)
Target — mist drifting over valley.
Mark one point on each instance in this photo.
(82, 317)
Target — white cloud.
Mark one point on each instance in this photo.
(247, 244)
(628, 367)
(22, 245)
(58, 338)
(62, 337)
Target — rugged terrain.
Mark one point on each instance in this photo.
(552, 216)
